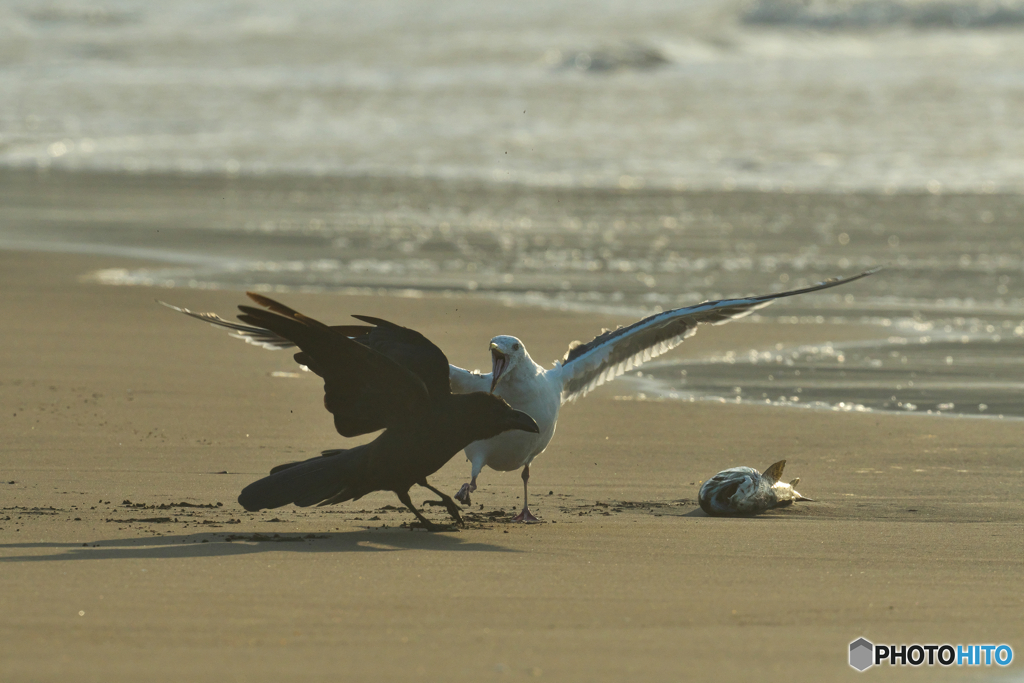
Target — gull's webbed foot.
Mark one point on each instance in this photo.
(526, 517)
(463, 495)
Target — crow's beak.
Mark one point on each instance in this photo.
(499, 362)
(517, 419)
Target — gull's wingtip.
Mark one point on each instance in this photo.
(851, 278)
(871, 271)
(833, 281)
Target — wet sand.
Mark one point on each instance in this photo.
(129, 430)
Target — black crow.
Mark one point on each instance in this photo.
(401, 385)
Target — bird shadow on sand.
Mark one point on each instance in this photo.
(209, 544)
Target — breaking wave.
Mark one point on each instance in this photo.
(873, 14)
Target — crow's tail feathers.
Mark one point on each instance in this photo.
(333, 477)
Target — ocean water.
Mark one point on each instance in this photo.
(604, 156)
(772, 94)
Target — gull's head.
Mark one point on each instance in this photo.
(506, 354)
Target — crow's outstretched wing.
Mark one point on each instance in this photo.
(412, 351)
(408, 348)
(364, 389)
(258, 336)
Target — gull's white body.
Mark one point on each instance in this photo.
(526, 384)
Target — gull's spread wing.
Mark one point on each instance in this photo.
(587, 366)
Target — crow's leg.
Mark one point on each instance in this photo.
(424, 522)
(446, 501)
(526, 516)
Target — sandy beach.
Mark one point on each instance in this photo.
(546, 170)
(129, 430)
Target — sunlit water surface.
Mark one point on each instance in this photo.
(604, 156)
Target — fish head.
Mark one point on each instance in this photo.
(787, 493)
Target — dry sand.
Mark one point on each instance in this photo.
(109, 398)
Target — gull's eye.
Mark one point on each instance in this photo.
(515, 347)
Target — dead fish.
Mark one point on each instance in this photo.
(745, 491)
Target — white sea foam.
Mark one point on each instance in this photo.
(650, 93)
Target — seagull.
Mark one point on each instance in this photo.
(517, 378)
(745, 491)
(541, 392)
(403, 390)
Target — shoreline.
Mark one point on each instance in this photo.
(835, 329)
(275, 179)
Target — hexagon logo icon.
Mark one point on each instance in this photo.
(861, 654)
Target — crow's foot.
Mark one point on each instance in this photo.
(449, 505)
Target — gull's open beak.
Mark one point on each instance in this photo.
(499, 362)
(517, 419)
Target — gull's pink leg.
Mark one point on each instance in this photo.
(463, 495)
(526, 516)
